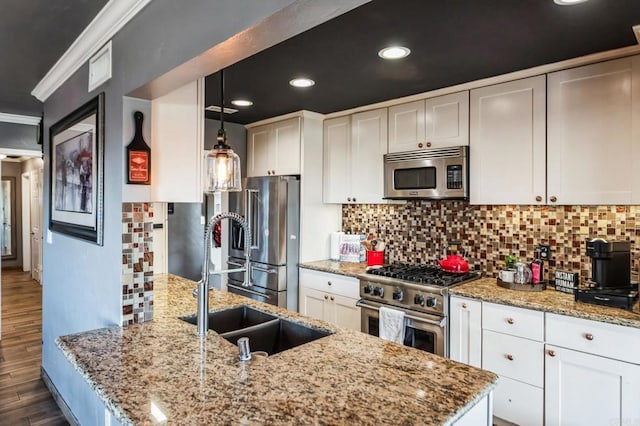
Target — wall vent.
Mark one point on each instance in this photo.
(100, 67)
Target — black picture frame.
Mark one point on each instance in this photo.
(76, 173)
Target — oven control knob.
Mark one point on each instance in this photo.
(397, 294)
(378, 291)
(418, 299)
(432, 302)
(367, 289)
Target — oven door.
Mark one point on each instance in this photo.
(422, 331)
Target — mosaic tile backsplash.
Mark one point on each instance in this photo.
(137, 263)
(420, 231)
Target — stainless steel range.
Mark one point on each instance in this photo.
(420, 291)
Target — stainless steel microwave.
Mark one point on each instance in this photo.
(434, 174)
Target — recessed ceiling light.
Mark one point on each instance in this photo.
(302, 82)
(241, 102)
(394, 52)
(568, 2)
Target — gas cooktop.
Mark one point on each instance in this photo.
(422, 274)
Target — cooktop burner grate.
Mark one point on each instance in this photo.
(422, 274)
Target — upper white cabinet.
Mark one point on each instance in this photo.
(594, 134)
(432, 123)
(507, 143)
(353, 158)
(177, 143)
(274, 149)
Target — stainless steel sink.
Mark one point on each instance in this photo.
(233, 319)
(266, 332)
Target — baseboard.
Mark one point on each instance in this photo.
(66, 411)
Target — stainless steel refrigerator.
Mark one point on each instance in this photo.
(271, 205)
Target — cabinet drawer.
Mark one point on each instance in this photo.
(609, 340)
(514, 321)
(518, 402)
(331, 283)
(513, 357)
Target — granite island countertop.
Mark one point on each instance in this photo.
(549, 300)
(347, 377)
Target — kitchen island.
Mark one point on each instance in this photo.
(161, 371)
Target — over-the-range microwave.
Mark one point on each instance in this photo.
(434, 174)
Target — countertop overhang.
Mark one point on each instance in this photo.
(162, 366)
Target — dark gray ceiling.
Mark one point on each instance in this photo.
(33, 36)
(452, 41)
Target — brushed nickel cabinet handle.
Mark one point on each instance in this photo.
(510, 357)
(464, 306)
(552, 353)
(588, 336)
(538, 198)
(510, 320)
(553, 199)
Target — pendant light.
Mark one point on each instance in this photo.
(223, 165)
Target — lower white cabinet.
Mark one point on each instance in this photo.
(465, 331)
(518, 402)
(330, 297)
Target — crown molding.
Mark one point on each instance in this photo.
(19, 119)
(113, 16)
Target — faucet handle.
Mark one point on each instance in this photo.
(194, 293)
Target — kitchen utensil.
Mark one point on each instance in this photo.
(454, 263)
(375, 258)
(380, 246)
(507, 275)
(522, 274)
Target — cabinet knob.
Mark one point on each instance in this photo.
(420, 145)
(510, 320)
(538, 198)
(329, 282)
(551, 353)
(428, 144)
(510, 357)
(588, 336)
(553, 199)
(269, 172)
(273, 172)
(464, 306)
(326, 297)
(354, 200)
(332, 298)
(349, 199)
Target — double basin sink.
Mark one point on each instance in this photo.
(266, 332)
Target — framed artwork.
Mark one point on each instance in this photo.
(76, 172)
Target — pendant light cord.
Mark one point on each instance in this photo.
(221, 140)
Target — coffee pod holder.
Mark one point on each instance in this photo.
(541, 286)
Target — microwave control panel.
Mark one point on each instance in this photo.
(454, 176)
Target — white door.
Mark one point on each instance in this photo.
(465, 331)
(447, 120)
(507, 143)
(584, 389)
(591, 129)
(368, 146)
(407, 127)
(337, 160)
(287, 147)
(314, 303)
(345, 312)
(260, 156)
(36, 224)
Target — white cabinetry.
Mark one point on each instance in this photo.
(177, 143)
(431, 123)
(594, 129)
(465, 331)
(507, 143)
(274, 149)
(330, 297)
(353, 158)
(592, 372)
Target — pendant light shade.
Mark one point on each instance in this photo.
(222, 164)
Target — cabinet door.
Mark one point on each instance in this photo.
(465, 331)
(260, 155)
(407, 127)
(337, 160)
(286, 147)
(177, 143)
(314, 304)
(447, 120)
(344, 312)
(584, 389)
(507, 143)
(368, 146)
(591, 134)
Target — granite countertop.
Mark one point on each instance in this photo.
(350, 269)
(548, 301)
(348, 377)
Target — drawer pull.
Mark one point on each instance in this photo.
(329, 282)
(333, 298)
(510, 357)
(464, 306)
(552, 353)
(588, 336)
(510, 320)
(326, 297)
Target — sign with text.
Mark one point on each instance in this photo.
(566, 282)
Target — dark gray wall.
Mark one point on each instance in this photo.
(19, 136)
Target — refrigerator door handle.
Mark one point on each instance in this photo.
(268, 271)
(240, 265)
(251, 217)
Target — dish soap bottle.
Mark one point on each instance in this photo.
(537, 269)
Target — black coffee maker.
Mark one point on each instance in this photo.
(610, 282)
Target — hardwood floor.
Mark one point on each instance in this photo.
(24, 399)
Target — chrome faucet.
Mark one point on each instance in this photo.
(202, 291)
